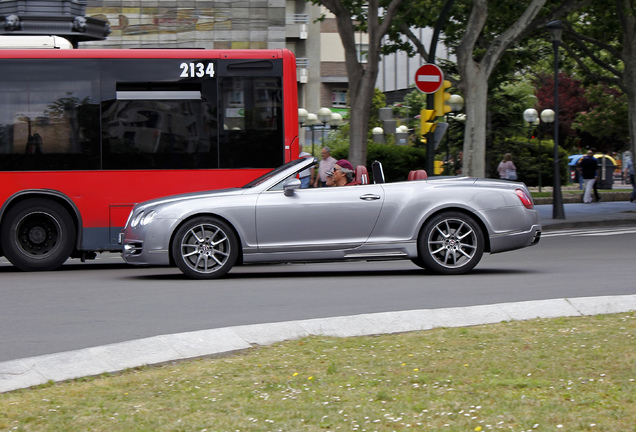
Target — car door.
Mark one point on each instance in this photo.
(317, 219)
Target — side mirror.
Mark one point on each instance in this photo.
(290, 186)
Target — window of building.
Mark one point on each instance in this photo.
(339, 98)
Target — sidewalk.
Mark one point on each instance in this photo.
(579, 215)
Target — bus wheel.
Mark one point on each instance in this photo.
(37, 235)
(205, 248)
(451, 243)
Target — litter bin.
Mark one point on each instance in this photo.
(606, 169)
(575, 175)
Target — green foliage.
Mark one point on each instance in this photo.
(532, 158)
(397, 161)
(605, 125)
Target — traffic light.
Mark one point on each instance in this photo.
(441, 99)
(426, 121)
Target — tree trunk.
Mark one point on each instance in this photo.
(475, 78)
(475, 86)
(362, 77)
(625, 12)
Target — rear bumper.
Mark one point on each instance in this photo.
(515, 240)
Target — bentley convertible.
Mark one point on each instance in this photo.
(443, 224)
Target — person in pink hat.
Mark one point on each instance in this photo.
(343, 174)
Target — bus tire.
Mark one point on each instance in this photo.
(205, 248)
(37, 235)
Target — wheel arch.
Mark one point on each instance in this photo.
(465, 211)
(239, 259)
(51, 195)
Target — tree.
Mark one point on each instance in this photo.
(604, 125)
(572, 101)
(480, 37)
(605, 49)
(373, 17)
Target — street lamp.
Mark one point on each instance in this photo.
(530, 116)
(378, 135)
(555, 28)
(324, 115)
(456, 103)
(547, 116)
(312, 119)
(336, 120)
(302, 118)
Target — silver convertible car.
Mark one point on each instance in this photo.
(443, 224)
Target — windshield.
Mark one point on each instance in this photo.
(274, 172)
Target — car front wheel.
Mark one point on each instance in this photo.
(205, 248)
(451, 243)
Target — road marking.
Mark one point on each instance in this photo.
(590, 232)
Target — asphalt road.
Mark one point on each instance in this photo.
(103, 302)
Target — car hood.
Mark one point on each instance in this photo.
(158, 202)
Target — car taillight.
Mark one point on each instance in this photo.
(526, 199)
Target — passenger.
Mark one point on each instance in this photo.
(343, 174)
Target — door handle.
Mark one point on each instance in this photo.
(370, 197)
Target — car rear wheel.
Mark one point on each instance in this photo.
(205, 248)
(38, 235)
(451, 243)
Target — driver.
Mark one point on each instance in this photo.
(343, 174)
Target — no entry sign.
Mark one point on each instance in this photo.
(429, 78)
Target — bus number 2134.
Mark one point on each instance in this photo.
(191, 70)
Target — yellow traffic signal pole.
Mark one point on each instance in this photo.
(430, 100)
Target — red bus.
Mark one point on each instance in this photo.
(85, 134)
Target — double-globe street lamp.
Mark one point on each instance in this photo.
(324, 116)
(456, 103)
(310, 120)
(531, 116)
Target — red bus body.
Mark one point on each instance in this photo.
(99, 199)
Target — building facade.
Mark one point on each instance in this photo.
(252, 24)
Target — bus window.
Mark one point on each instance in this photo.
(153, 126)
(252, 117)
(165, 122)
(49, 116)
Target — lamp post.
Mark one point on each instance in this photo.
(530, 116)
(547, 116)
(555, 28)
(456, 103)
(302, 118)
(324, 116)
(311, 121)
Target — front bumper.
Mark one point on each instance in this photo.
(147, 245)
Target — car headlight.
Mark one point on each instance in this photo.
(149, 217)
(136, 219)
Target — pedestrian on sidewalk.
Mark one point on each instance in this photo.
(507, 169)
(629, 172)
(588, 165)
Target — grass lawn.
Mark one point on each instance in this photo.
(564, 374)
